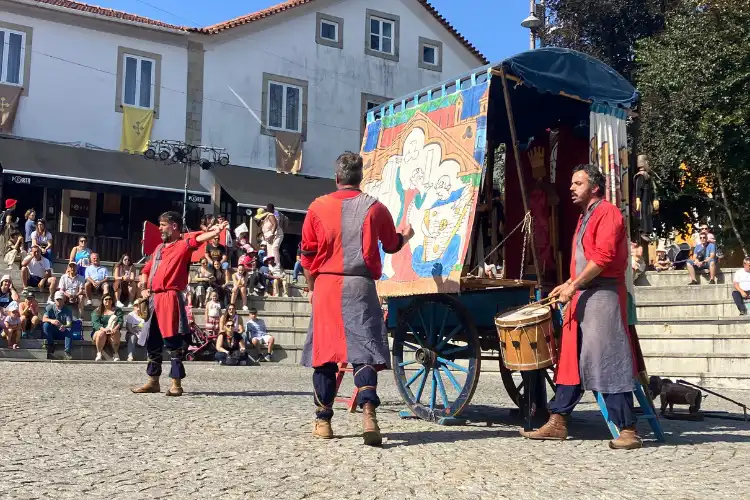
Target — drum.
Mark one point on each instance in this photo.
(527, 340)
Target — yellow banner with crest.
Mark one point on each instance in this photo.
(136, 129)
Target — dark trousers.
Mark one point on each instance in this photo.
(52, 333)
(739, 301)
(324, 386)
(175, 345)
(619, 405)
(231, 358)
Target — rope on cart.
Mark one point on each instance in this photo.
(526, 225)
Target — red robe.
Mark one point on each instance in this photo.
(605, 243)
(170, 279)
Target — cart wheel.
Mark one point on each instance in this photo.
(190, 357)
(436, 356)
(516, 390)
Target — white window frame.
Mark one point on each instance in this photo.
(332, 23)
(380, 35)
(6, 52)
(139, 60)
(436, 51)
(283, 107)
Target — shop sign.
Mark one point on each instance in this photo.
(79, 207)
(18, 179)
(200, 199)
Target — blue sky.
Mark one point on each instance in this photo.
(493, 26)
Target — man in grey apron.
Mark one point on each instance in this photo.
(597, 351)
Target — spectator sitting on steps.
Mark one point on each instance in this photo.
(72, 287)
(80, 255)
(57, 322)
(134, 323)
(29, 227)
(43, 239)
(36, 272)
(240, 285)
(704, 257)
(96, 278)
(13, 248)
(107, 321)
(275, 276)
(216, 254)
(741, 292)
(29, 310)
(12, 325)
(204, 280)
(257, 334)
(230, 346)
(125, 278)
(662, 259)
(8, 292)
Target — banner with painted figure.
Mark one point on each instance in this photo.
(609, 150)
(425, 164)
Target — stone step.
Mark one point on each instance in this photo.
(710, 380)
(697, 309)
(695, 344)
(728, 325)
(684, 363)
(682, 292)
(676, 278)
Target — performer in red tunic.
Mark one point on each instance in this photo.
(341, 260)
(597, 351)
(163, 279)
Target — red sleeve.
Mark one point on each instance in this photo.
(385, 229)
(147, 268)
(309, 245)
(192, 243)
(607, 236)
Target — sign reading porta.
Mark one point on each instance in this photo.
(200, 199)
(20, 179)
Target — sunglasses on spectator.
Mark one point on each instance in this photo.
(107, 299)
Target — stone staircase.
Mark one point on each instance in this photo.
(693, 332)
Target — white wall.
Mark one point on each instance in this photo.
(69, 102)
(284, 44)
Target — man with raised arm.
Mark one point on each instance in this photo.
(162, 281)
(341, 261)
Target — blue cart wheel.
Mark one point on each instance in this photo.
(436, 356)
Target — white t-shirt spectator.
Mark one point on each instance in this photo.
(38, 268)
(41, 239)
(69, 285)
(96, 273)
(134, 323)
(742, 278)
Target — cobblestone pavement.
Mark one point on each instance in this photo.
(68, 430)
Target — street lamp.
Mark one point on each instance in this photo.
(188, 155)
(533, 22)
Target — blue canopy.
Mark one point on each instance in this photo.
(556, 70)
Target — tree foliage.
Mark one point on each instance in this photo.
(694, 78)
(605, 29)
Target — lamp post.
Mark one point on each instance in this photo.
(533, 23)
(188, 155)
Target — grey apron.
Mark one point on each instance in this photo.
(362, 315)
(183, 328)
(605, 360)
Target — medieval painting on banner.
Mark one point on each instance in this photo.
(425, 164)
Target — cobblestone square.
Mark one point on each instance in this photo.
(73, 430)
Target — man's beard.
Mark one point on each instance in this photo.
(165, 237)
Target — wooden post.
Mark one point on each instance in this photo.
(519, 169)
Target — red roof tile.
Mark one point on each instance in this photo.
(290, 4)
(248, 18)
(102, 11)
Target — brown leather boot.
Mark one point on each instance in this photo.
(322, 429)
(370, 429)
(628, 440)
(555, 429)
(175, 389)
(149, 387)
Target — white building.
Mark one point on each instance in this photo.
(305, 67)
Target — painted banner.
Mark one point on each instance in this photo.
(609, 151)
(136, 129)
(425, 164)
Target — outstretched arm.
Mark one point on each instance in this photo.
(213, 231)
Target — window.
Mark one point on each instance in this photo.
(369, 102)
(12, 50)
(430, 54)
(382, 35)
(284, 104)
(138, 80)
(15, 55)
(330, 30)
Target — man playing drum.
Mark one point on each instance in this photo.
(597, 351)
(341, 261)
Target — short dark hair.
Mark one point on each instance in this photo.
(172, 217)
(72, 265)
(596, 177)
(349, 169)
(270, 208)
(253, 311)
